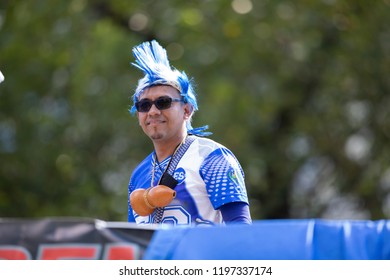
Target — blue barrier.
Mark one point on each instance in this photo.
(275, 240)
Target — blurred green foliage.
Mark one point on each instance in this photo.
(298, 90)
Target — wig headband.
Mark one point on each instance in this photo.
(152, 59)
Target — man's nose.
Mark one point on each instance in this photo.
(153, 110)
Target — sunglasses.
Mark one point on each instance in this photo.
(161, 103)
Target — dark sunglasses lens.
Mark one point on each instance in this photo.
(163, 103)
(144, 105)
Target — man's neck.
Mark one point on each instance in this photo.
(167, 148)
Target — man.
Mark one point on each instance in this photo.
(206, 178)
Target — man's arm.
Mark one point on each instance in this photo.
(236, 212)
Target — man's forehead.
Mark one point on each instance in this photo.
(160, 90)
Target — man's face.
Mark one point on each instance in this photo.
(164, 125)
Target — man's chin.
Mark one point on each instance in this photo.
(156, 136)
(154, 133)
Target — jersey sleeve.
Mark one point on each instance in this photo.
(236, 212)
(140, 178)
(224, 178)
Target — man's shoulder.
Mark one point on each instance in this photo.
(207, 147)
(144, 164)
(207, 142)
(210, 144)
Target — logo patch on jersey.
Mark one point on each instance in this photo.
(233, 176)
(179, 175)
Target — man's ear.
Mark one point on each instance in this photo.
(187, 111)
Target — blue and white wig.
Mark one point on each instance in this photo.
(152, 59)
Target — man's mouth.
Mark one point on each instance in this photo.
(154, 122)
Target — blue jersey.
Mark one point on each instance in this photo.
(208, 176)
